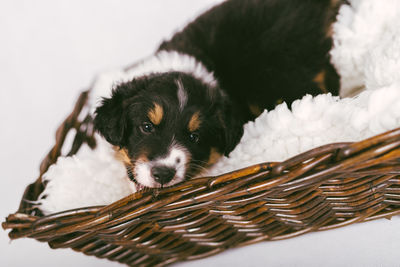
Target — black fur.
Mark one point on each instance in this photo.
(260, 51)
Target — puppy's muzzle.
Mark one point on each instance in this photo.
(163, 174)
(162, 171)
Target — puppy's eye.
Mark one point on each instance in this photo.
(194, 137)
(147, 127)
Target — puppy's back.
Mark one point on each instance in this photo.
(263, 50)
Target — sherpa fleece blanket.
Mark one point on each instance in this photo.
(366, 54)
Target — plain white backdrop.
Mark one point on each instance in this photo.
(50, 50)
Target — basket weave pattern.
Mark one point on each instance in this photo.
(324, 188)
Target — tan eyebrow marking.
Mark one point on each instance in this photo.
(156, 114)
(195, 122)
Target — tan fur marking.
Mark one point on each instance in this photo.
(336, 3)
(122, 155)
(255, 110)
(143, 158)
(195, 122)
(214, 156)
(331, 17)
(319, 79)
(156, 114)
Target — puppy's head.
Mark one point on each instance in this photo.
(168, 127)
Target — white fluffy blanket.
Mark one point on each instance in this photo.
(366, 54)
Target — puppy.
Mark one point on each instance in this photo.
(187, 104)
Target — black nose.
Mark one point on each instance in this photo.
(163, 174)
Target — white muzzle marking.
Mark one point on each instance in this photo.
(176, 158)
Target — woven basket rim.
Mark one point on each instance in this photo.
(326, 187)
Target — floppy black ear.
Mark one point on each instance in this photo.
(110, 119)
(110, 116)
(233, 134)
(232, 125)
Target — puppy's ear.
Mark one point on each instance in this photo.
(110, 119)
(232, 125)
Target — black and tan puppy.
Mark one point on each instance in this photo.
(186, 105)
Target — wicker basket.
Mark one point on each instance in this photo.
(324, 188)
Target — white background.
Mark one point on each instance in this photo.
(49, 51)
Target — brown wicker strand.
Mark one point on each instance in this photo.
(327, 187)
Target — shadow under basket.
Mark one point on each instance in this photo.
(330, 186)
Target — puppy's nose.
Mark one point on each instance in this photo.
(163, 174)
